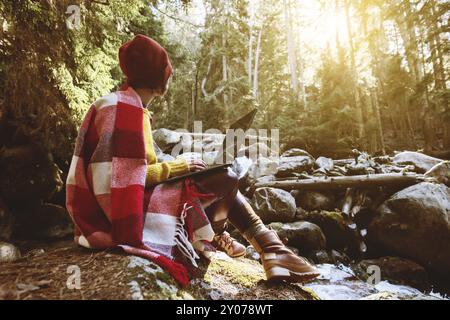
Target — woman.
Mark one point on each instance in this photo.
(116, 197)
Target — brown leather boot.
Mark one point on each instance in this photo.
(226, 243)
(279, 262)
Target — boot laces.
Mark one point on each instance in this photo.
(225, 240)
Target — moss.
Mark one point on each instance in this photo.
(239, 272)
(310, 293)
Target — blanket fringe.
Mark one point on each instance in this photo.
(182, 239)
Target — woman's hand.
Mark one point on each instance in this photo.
(196, 165)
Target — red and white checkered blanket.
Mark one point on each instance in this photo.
(107, 199)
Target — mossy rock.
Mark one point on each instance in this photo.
(337, 232)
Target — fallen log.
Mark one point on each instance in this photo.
(360, 181)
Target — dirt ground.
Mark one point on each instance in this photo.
(44, 270)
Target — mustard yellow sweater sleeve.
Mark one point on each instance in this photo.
(159, 171)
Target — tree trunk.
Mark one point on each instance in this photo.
(291, 50)
(250, 57)
(255, 76)
(336, 183)
(378, 120)
(356, 95)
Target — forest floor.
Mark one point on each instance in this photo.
(46, 271)
(43, 273)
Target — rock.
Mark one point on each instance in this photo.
(415, 223)
(135, 291)
(296, 152)
(148, 272)
(421, 161)
(166, 139)
(274, 205)
(440, 172)
(398, 270)
(313, 200)
(262, 167)
(320, 256)
(289, 166)
(339, 257)
(28, 172)
(8, 252)
(164, 157)
(338, 234)
(241, 166)
(191, 155)
(329, 256)
(304, 236)
(340, 283)
(324, 163)
(359, 169)
(208, 157)
(251, 253)
(186, 143)
(6, 221)
(389, 291)
(161, 156)
(46, 221)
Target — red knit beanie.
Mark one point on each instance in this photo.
(145, 63)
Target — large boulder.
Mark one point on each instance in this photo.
(289, 166)
(161, 156)
(241, 166)
(28, 172)
(338, 233)
(325, 164)
(421, 161)
(262, 167)
(274, 205)
(44, 222)
(398, 270)
(6, 221)
(314, 200)
(440, 172)
(303, 235)
(166, 139)
(415, 223)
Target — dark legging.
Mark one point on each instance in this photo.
(229, 204)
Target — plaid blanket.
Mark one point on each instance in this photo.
(107, 199)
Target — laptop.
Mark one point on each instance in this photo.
(243, 123)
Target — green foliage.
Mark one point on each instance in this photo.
(50, 74)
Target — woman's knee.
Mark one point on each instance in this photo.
(221, 183)
(230, 179)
